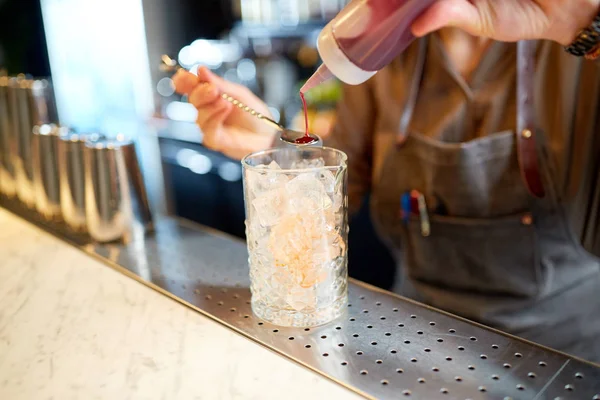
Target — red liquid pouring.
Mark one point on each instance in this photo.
(306, 139)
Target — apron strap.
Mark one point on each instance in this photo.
(526, 127)
(413, 93)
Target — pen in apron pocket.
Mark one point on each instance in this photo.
(405, 207)
(421, 206)
(413, 202)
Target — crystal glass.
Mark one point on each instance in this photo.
(297, 233)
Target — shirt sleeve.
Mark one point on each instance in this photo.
(352, 133)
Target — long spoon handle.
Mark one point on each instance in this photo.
(170, 65)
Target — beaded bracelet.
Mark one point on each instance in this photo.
(587, 41)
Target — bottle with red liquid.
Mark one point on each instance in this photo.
(365, 37)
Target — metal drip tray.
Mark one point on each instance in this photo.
(385, 347)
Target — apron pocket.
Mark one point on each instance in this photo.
(498, 255)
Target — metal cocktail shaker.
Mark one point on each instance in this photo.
(23, 185)
(7, 143)
(72, 178)
(44, 153)
(116, 200)
(30, 103)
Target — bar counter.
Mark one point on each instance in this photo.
(72, 328)
(167, 316)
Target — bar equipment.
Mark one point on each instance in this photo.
(30, 103)
(19, 158)
(72, 177)
(385, 347)
(7, 144)
(116, 206)
(45, 170)
(297, 231)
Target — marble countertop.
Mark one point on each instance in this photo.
(73, 328)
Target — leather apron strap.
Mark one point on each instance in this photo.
(413, 94)
(526, 125)
(526, 120)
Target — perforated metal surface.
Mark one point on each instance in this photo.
(385, 347)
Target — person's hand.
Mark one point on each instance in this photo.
(226, 128)
(511, 20)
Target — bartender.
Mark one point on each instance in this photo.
(489, 227)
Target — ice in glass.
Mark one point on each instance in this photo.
(297, 231)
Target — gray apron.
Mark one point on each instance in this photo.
(500, 250)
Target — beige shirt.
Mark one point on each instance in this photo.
(453, 110)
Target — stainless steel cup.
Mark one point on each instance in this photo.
(45, 170)
(21, 156)
(40, 96)
(7, 144)
(31, 103)
(116, 201)
(72, 178)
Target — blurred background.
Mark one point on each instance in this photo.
(102, 57)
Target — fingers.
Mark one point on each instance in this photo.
(184, 82)
(448, 13)
(207, 113)
(207, 89)
(204, 94)
(211, 123)
(206, 75)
